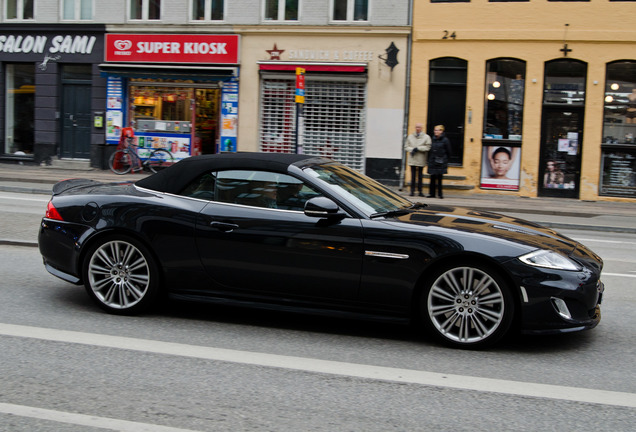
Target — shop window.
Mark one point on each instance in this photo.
(19, 108)
(145, 9)
(350, 10)
(618, 177)
(281, 10)
(447, 101)
(19, 9)
(503, 119)
(150, 103)
(505, 83)
(77, 10)
(207, 10)
(619, 122)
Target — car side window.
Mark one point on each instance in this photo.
(203, 187)
(262, 189)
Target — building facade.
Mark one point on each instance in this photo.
(207, 76)
(544, 89)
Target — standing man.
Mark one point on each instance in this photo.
(417, 146)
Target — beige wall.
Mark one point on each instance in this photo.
(386, 88)
(599, 32)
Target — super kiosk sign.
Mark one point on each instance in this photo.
(176, 48)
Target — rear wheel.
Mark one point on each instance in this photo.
(121, 275)
(467, 306)
(121, 162)
(159, 159)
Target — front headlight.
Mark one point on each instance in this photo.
(549, 259)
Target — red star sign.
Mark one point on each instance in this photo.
(274, 53)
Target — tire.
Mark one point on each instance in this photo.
(159, 159)
(121, 162)
(121, 275)
(467, 306)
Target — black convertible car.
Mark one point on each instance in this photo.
(304, 233)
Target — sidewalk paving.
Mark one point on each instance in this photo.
(553, 212)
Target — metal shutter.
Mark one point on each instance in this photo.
(335, 118)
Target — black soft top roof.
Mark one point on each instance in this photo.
(178, 176)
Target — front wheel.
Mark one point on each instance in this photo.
(121, 162)
(467, 306)
(121, 275)
(159, 159)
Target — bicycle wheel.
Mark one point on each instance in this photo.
(159, 159)
(121, 162)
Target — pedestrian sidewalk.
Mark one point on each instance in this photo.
(552, 212)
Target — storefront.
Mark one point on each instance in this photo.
(178, 92)
(547, 109)
(333, 113)
(52, 94)
(353, 93)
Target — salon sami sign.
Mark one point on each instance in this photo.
(39, 44)
(175, 48)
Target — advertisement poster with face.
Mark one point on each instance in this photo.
(500, 167)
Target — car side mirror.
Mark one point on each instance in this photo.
(323, 207)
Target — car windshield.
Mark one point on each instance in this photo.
(369, 196)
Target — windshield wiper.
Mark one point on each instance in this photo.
(399, 211)
(396, 212)
(418, 205)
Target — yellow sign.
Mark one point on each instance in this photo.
(300, 71)
(300, 99)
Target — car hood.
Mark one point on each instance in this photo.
(463, 220)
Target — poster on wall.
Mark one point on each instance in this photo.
(229, 116)
(114, 109)
(500, 168)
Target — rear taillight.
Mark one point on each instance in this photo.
(52, 213)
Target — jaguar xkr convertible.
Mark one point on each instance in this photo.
(303, 233)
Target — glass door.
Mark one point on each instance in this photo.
(561, 138)
(562, 128)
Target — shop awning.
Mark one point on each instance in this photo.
(172, 72)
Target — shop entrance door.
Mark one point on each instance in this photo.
(447, 102)
(561, 140)
(206, 122)
(76, 121)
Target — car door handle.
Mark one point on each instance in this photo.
(224, 226)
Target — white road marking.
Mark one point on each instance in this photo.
(44, 198)
(84, 420)
(617, 275)
(585, 240)
(460, 382)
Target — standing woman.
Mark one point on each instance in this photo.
(438, 158)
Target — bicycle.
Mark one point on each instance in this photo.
(126, 159)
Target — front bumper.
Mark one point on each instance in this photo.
(558, 301)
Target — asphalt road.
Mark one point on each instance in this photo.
(66, 366)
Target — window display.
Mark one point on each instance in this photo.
(181, 117)
(618, 176)
(505, 84)
(619, 123)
